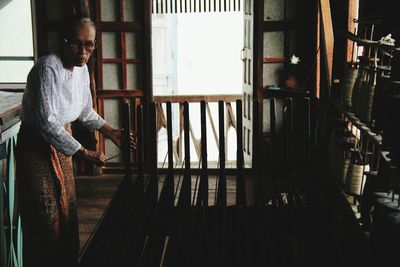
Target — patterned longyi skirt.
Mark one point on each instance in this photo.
(47, 204)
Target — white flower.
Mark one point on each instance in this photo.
(294, 60)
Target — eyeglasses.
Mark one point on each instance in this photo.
(76, 44)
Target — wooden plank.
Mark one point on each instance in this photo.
(352, 14)
(9, 102)
(123, 60)
(274, 60)
(10, 106)
(119, 26)
(107, 94)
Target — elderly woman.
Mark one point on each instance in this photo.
(57, 93)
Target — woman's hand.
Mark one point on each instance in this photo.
(94, 156)
(116, 136)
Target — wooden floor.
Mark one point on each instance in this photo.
(93, 195)
(95, 192)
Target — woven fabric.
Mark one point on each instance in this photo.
(47, 202)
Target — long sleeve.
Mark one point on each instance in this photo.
(89, 117)
(47, 112)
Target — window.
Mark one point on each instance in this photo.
(16, 46)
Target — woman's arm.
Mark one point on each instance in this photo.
(114, 134)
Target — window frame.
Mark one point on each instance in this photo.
(20, 86)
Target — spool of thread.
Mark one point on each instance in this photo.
(355, 177)
(339, 161)
(360, 81)
(379, 104)
(359, 106)
(349, 80)
(344, 167)
(366, 97)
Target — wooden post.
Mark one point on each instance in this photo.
(240, 184)
(221, 199)
(126, 108)
(275, 190)
(139, 144)
(185, 194)
(202, 197)
(257, 164)
(152, 154)
(328, 37)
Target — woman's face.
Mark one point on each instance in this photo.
(79, 48)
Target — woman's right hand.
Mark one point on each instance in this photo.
(94, 156)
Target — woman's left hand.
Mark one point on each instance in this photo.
(117, 138)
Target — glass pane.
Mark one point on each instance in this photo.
(132, 45)
(130, 10)
(52, 41)
(292, 44)
(249, 34)
(248, 7)
(274, 10)
(14, 71)
(272, 74)
(109, 10)
(16, 26)
(111, 45)
(54, 9)
(112, 76)
(245, 34)
(133, 76)
(112, 116)
(274, 44)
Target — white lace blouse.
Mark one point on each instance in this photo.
(55, 96)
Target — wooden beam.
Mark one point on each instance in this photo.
(104, 94)
(318, 56)
(109, 26)
(352, 27)
(196, 98)
(119, 60)
(274, 60)
(327, 37)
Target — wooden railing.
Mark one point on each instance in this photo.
(229, 118)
